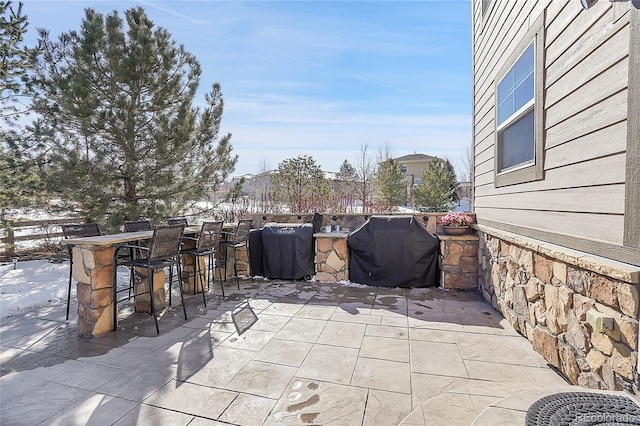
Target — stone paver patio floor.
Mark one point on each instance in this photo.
(274, 352)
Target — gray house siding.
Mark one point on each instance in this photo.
(588, 195)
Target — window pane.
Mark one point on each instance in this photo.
(517, 142)
(506, 86)
(524, 66)
(516, 87)
(523, 93)
(505, 109)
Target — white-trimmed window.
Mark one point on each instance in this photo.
(516, 102)
(519, 132)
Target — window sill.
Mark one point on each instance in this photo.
(528, 173)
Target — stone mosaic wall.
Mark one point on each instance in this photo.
(331, 258)
(459, 262)
(92, 270)
(545, 294)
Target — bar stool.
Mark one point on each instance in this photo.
(178, 221)
(206, 245)
(135, 226)
(239, 240)
(163, 251)
(77, 230)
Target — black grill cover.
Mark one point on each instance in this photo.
(287, 251)
(255, 252)
(393, 252)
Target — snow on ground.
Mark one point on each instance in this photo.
(34, 283)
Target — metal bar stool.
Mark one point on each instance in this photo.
(239, 240)
(206, 245)
(135, 226)
(163, 251)
(178, 221)
(77, 230)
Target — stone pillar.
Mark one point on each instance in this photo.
(93, 272)
(190, 283)
(243, 261)
(332, 257)
(141, 288)
(242, 265)
(459, 266)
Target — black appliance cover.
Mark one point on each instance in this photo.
(393, 251)
(287, 250)
(255, 252)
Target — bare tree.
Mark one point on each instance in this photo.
(466, 174)
(260, 189)
(385, 153)
(366, 171)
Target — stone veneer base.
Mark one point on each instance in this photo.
(459, 262)
(545, 291)
(331, 257)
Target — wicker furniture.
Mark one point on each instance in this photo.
(178, 221)
(236, 241)
(206, 245)
(77, 230)
(137, 225)
(163, 251)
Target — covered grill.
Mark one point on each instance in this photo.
(393, 251)
(287, 250)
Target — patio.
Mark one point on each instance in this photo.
(307, 353)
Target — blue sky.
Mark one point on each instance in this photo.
(318, 78)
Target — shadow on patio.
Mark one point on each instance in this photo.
(306, 352)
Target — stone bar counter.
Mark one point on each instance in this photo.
(93, 273)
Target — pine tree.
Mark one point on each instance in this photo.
(122, 137)
(345, 185)
(20, 185)
(391, 184)
(438, 188)
(300, 184)
(15, 63)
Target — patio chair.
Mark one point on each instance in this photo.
(178, 221)
(137, 225)
(163, 251)
(206, 244)
(236, 241)
(77, 230)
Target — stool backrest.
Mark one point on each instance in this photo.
(210, 235)
(137, 225)
(79, 230)
(166, 241)
(178, 221)
(242, 231)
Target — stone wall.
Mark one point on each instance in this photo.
(93, 271)
(331, 258)
(545, 292)
(459, 262)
